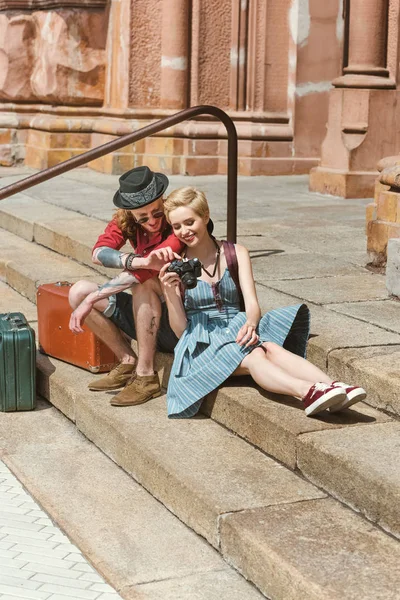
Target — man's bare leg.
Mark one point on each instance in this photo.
(147, 315)
(105, 329)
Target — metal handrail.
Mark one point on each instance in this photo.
(183, 115)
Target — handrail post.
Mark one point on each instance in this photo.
(129, 138)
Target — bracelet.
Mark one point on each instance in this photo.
(129, 260)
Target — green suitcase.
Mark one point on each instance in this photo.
(17, 363)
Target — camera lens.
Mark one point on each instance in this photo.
(189, 280)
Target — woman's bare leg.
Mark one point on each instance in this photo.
(272, 377)
(294, 365)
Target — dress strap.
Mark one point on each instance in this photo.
(233, 267)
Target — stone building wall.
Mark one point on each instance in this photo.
(364, 108)
(74, 75)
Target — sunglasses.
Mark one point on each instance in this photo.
(156, 215)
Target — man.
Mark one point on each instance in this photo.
(108, 310)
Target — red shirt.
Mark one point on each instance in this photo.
(114, 238)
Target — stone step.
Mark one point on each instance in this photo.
(66, 232)
(278, 426)
(133, 540)
(278, 530)
(25, 266)
(72, 234)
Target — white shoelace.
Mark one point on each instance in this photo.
(321, 387)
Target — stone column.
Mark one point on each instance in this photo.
(364, 110)
(117, 52)
(368, 29)
(174, 49)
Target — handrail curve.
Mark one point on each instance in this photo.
(183, 115)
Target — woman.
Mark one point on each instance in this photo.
(217, 339)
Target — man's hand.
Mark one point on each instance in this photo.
(79, 315)
(158, 258)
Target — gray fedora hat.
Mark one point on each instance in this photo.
(138, 187)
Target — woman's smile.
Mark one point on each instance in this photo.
(188, 238)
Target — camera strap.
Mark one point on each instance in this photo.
(233, 268)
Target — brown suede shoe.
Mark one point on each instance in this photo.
(117, 378)
(138, 390)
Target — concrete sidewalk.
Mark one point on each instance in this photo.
(37, 560)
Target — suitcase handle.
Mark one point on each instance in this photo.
(63, 283)
(17, 321)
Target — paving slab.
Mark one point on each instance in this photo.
(384, 313)
(273, 422)
(314, 550)
(131, 538)
(284, 266)
(330, 290)
(376, 368)
(358, 465)
(11, 301)
(337, 239)
(17, 551)
(215, 473)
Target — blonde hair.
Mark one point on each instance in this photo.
(187, 196)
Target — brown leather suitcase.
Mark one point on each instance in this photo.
(55, 338)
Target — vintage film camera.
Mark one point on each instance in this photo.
(188, 271)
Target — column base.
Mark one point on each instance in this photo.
(356, 184)
(363, 81)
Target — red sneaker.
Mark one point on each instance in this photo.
(321, 396)
(353, 394)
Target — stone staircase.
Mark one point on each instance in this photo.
(276, 493)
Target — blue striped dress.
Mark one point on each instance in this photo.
(207, 353)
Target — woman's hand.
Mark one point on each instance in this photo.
(169, 281)
(78, 317)
(247, 335)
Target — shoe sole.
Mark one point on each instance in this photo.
(109, 389)
(157, 395)
(350, 399)
(326, 401)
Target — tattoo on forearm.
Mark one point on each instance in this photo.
(110, 257)
(120, 283)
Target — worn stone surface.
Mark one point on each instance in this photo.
(272, 265)
(384, 313)
(333, 331)
(64, 231)
(53, 56)
(328, 290)
(11, 301)
(149, 446)
(375, 368)
(329, 330)
(214, 585)
(131, 538)
(315, 550)
(25, 266)
(359, 466)
(273, 422)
